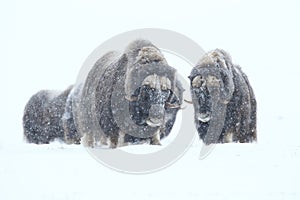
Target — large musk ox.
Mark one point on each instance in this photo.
(126, 98)
(223, 100)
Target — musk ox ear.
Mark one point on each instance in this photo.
(224, 90)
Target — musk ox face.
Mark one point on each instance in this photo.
(150, 101)
(223, 100)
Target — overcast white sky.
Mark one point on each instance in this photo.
(44, 43)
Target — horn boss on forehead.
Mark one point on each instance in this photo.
(157, 82)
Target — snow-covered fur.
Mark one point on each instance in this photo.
(223, 99)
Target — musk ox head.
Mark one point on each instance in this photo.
(150, 85)
(223, 100)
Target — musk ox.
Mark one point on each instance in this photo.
(42, 119)
(223, 100)
(127, 98)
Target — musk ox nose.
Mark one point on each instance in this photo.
(156, 115)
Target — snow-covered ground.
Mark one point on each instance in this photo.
(259, 171)
(43, 45)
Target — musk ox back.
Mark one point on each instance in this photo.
(223, 99)
(127, 98)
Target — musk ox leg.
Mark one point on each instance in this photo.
(113, 141)
(155, 140)
(88, 140)
(121, 139)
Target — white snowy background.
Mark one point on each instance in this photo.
(44, 43)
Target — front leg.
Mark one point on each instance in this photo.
(155, 140)
(121, 139)
(88, 140)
